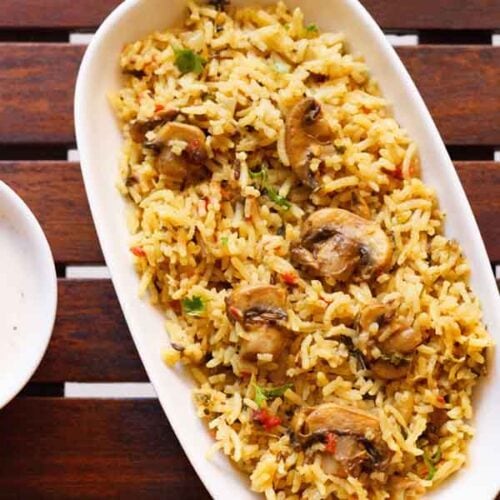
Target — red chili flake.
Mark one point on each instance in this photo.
(246, 374)
(289, 278)
(423, 471)
(138, 251)
(440, 399)
(159, 107)
(266, 419)
(235, 312)
(207, 202)
(176, 306)
(398, 173)
(331, 443)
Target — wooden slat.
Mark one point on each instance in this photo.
(421, 14)
(54, 14)
(91, 341)
(66, 448)
(36, 92)
(55, 193)
(435, 14)
(459, 83)
(460, 86)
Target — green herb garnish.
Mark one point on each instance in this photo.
(260, 174)
(312, 28)
(262, 394)
(224, 240)
(193, 306)
(188, 61)
(430, 463)
(275, 197)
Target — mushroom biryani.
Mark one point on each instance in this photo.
(280, 222)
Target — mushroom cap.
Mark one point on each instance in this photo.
(261, 311)
(139, 127)
(257, 304)
(331, 417)
(188, 167)
(336, 242)
(307, 136)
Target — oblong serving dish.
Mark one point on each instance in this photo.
(99, 142)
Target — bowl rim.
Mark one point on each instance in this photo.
(406, 81)
(34, 228)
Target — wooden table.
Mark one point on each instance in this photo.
(52, 446)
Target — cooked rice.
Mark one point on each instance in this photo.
(203, 241)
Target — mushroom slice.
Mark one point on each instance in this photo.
(264, 339)
(396, 350)
(335, 243)
(307, 136)
(331, 417)
(261, 311)
(139, 128)
(387, 370)
(257, 304)
(358, 438)
(186, 168)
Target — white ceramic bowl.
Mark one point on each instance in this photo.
(99, 143)
(28, 294)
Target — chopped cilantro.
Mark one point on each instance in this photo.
(224, 240)
(188, 61)
(431, 461)
(193, 306)
(262, 394)
(275, 197)
(260, 174)
(311, 30)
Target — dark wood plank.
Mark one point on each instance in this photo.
(422, 14)
(460, 86)
(435, 14)
(459, 83)
(482, 184)
(55, 193)
(36, 92)
(91, 341)
(67, 448)
(54, 14)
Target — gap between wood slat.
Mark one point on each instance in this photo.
(105, 391)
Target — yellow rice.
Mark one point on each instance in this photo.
(197, 242)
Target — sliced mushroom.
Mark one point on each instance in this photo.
(335, 243)
(388, 370)
(186, 168)
(261, 311)
(436, 420)
(358, 439)
(139, 128)
(395, 361)
(307, 136)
